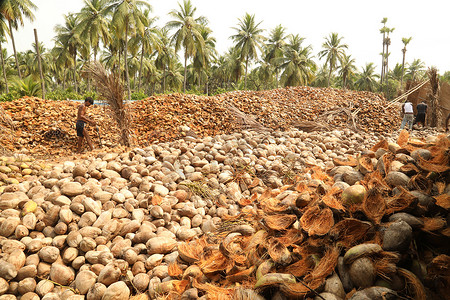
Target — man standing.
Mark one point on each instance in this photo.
(82, 119)
(408, 114)
(421, 113)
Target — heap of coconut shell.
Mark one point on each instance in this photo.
(239, 216)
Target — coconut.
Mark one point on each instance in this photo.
(362, 272)
(397, 236)
(354, 194)
(117, 291)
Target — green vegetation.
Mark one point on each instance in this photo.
(182, 55)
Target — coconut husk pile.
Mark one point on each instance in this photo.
(160, 118)
(385, 236)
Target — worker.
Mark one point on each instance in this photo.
(421, 113)
(82, 119)
(408, 114)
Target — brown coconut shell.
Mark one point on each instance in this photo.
(365, 165)
(350, 231)
(317, 221)
(301, 267)
(190, 252)
(374, 205)
(332, 199)
(280, 221)
(278, 251)
(241, 276)
(383, 144)
(400, 201)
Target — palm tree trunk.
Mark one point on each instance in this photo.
(164, 79)
(4, 70)
(64, 79)
(140, 67)
(126, 61)
(118, 67)
(75, 70)
(14, 49)
(329, 75)
(403, 66)
(245, 77)
(382, 58)
(185, 71)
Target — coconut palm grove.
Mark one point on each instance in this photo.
(181, 56)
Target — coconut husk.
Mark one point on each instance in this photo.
(215, 262)
(421, 183)
(433, 224)
(414, 285)
(375, 180)
(299, 290)
(403, 138)
(174, 270)
(317, 221)
(440, 266)
(301, 267)
(317, 173)
(333, 200)
(365, 164)
(388, 158)
(350, 231)
(385, 268)
(191, 252)
(409, 169)
(383, 144)
(374, 205)
(443, 201)
(400, 201)
(140, 297)
(280, 221)
(241, 276)
(273, 205)
(213, 291)
(291, 237)
(433, 167)
(326, 265)
(351, 161)
(278, 252)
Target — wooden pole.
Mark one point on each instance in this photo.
(40, 65)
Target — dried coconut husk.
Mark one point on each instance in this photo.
(317, 221)
(174, 270)
(326, 265)
(440, 187)
(214, 262)
(259, 238)
(278, 252)
(213, 292)
(299, 290)
(414, 285)
(230, 245)
(438, 164)
(421, 183)
(241, 276)
(351, 161)
(443, 201)
(375, 180)
(291, 237)
(190, 252)
(178, 286)
(248, 201)
(383, 144)
(433, 224)
(273, 205)
(374, 205)
(403, 138)
(301, 267)
(332, 199)
(350, 231)
(365, 165)
(409, 169)
(280, 221)
(317, 173)
(399, 202)
(440, 266)
(388, 158)
(386, 265)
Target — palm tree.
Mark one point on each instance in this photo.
(13, 11)
(93, 24)
(188, 32)
(165, 54)
(297, 63)
(367, 78)
(405, 43)
(202, 60)
(383, 31)
(388, 43)
(3, 31)
(274, 48)
(248, 39)
(416, 68)
(149, 41)
(68, 38)
(128, 16)
(347, 69)
(334, 51)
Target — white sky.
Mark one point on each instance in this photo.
(357, 21)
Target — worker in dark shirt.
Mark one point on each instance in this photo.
(421, 113)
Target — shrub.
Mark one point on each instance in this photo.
(138, 95)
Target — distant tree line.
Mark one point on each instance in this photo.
(182, 56)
